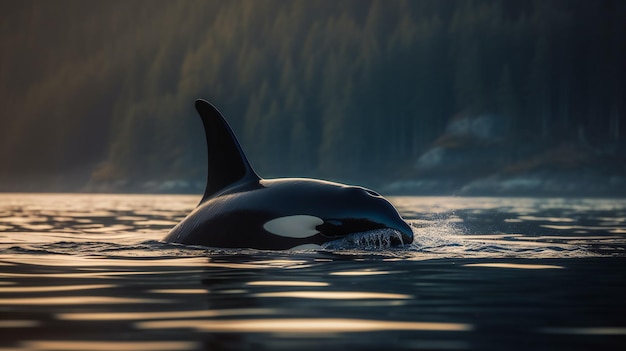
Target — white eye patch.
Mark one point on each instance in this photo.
(297, 226)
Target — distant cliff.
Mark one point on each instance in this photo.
(480, 156)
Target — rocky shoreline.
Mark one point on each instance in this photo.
(478, 156)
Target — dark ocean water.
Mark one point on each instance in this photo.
(88, 272)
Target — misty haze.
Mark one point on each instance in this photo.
(411, 97)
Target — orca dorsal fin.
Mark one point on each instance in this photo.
(227, 164)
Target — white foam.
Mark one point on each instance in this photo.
(373, 239)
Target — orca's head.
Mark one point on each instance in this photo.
(367, 218)
(343, 216)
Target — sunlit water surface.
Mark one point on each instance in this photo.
(89, 272)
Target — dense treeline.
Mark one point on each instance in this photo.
(337, 89)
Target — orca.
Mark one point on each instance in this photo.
(239, 209)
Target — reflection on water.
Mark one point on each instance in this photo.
(334, 295)
(106, 345)
(286, 283)
(303, 326)
(162, 315)
(514, 265)
(25, 289)
(75, 300)
(88, 272)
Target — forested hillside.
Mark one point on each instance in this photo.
(100, 94)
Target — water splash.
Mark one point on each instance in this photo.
(447, 236)
(371, 240)
(439, 231)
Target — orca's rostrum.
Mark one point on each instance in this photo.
(241, 210)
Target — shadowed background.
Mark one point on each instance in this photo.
(462, 97)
